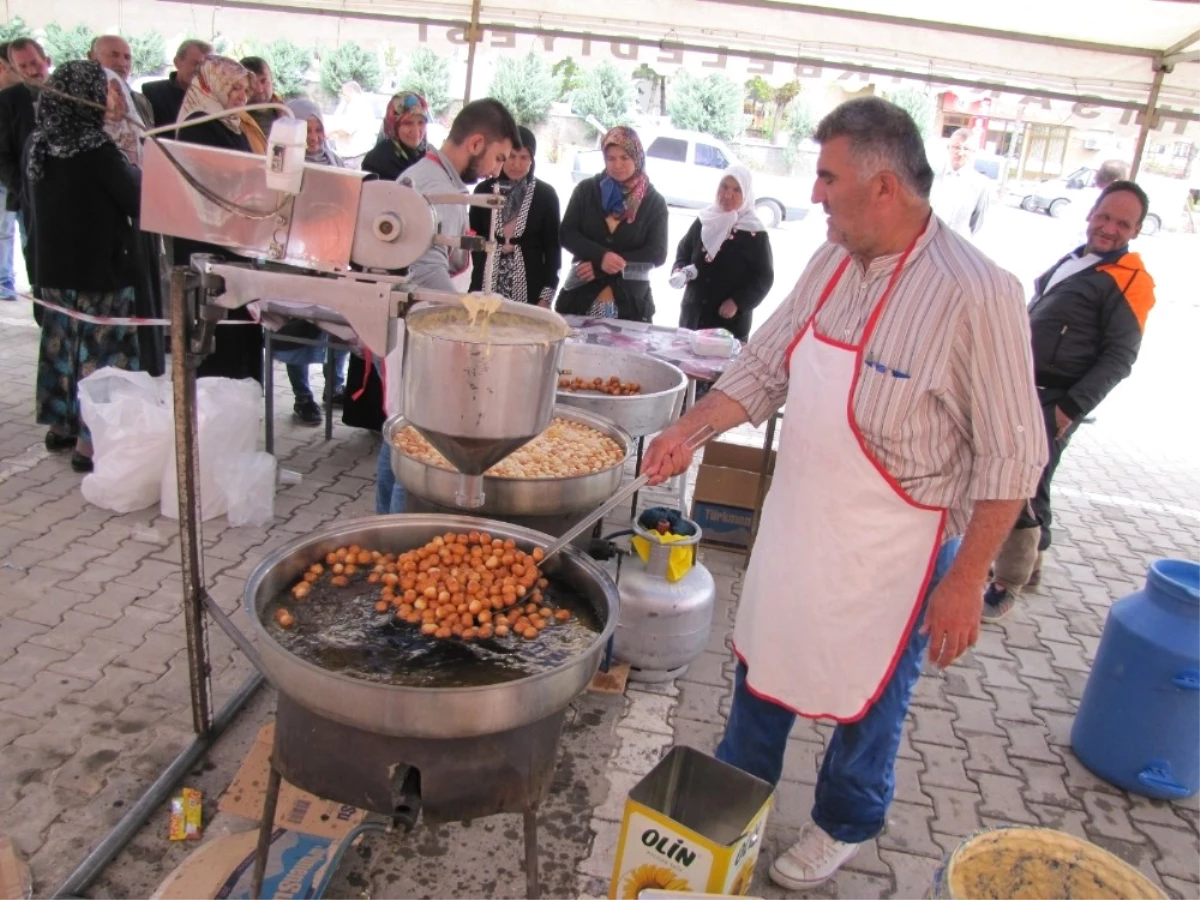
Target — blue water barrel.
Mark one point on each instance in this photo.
(1139, 718)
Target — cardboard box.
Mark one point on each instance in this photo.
(726, 492)
(694, 824)
(297, 810)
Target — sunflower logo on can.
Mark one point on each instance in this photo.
(652, 876)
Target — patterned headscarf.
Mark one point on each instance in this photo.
(623, 198)
(404, 104)
(66, 127)
(210, 89)
(119, 122)
(515, 198)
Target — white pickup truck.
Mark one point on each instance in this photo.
(686, 167)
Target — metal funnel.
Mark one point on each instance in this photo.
(478, 401)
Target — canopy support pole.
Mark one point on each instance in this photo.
(1148, 117)
(472, 41)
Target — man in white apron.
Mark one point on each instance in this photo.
(912, 436)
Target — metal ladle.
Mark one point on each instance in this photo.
(693, 443)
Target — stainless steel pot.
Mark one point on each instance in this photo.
(656, 407)
(424, 712)
(516, 496)
(477, 402)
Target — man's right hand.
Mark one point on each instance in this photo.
(667, 456)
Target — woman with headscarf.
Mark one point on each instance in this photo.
(85, 196)
(298, 357)
(616, 227)
(401, 145)
(525, 268)
(123, 123)
(221, 85)
(403, 140)
(725, 258)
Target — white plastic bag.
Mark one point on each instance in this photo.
(228, 412)
(248, 480)
(131, 429)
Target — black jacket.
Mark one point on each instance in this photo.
(539, 243)
(83, 208)
(17, 121)
(1087, 329)
(742, 271)
(585, 233)
(385, 160)
(166, 97)
(238, 351)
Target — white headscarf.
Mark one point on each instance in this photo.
(716, 224)
(304, 109)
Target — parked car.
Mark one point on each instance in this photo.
(1055, 196)
(686, 166)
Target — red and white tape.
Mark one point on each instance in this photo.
(115, 320)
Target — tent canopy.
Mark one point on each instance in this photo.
(1128, 54)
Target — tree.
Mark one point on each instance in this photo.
(759, 94)
(67, 44)
(605, 95)
(526, 86)
(782, 97)
(712, 104)
(149, 53)
(428, 75)
(801, 122)
(917, 104)
(569, 78)
(349, 62)
(289, 64)
(13, 29)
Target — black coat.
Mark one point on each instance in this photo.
(1086, 330)
(742, 271)
(367, 411)
(585, 233)
(385, 160)
(83, 208)
(17, 121)
(539, 243)
(166, 98)
(239, 348)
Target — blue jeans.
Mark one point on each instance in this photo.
(857, 777)
(390, 496)
(8, 227)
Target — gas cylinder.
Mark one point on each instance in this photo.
(663, 624)
(1140, 712)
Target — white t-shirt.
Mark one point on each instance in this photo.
(1070, 267)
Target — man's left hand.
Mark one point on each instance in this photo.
(952, 618)
(1063, 421)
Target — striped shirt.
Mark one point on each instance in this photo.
(965, 424)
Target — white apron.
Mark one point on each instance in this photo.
(843, 556)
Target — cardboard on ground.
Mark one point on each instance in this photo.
(297, 810)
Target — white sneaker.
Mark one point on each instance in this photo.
(812, 860)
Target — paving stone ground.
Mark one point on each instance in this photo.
(94, 698)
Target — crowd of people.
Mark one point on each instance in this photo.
(927, 406)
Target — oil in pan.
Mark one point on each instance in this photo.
(338, 629)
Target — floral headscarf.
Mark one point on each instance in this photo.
(405, 104)
(122, 120)
(623, 198)
(210, 89)
(65, 127)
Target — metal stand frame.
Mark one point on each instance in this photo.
(188, 347)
